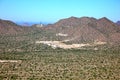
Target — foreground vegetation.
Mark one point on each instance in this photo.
(61, 65)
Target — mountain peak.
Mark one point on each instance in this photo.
(105, 19)
(72, 17)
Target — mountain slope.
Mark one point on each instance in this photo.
(9, 27)
(87, 30)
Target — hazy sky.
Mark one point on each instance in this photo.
(53, 10)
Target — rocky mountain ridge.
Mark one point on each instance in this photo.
(87, 29)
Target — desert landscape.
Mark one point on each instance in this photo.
(71, 49)
(59, 40)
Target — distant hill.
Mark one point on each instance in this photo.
(9, 27)
(118, 23)
(87, 30)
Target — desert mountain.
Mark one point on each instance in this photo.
(9, 27)
(86, 30)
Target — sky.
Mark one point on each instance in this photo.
(52, 10)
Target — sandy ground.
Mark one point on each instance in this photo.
(11, 61)
(60, 44)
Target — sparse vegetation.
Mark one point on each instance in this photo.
(62, 65)
(22, 59)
